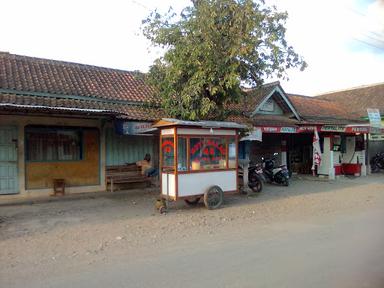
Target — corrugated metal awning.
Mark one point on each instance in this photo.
(202, 124)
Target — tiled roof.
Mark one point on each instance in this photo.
(312, 109)
(358, 99)
(273, 120)
(252, 98)
(55, 86)
(28, 74)
(239, 118)
(49, 86)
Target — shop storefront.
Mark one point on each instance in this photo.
(343, 148)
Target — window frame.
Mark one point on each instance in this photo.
(171, 167)
(53, 129)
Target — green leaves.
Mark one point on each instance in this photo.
(213, 47)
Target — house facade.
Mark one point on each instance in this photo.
(69, 121)
(61, 120)
(356, 101)
(287, 123)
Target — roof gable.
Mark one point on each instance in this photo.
(274, 92)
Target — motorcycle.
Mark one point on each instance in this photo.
(278, 174)
(377, 162)
(256, 177)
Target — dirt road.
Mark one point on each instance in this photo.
(312, 234)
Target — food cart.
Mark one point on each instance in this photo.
(198, 159)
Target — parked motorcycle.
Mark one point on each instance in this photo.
(377, 162)
(256, 177)
(278, 174)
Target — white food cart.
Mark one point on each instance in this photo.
(198, 159)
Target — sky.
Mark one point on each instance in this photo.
(342, 41)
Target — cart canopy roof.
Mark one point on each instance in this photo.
(203, 124)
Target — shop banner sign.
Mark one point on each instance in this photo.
(332, 128)
(132, 128)
(267, 129)
(374, 117)
(306, 129)
(287, 130)
(316, 156)
(255, 135)
(357, 129)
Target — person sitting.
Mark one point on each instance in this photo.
(146, 166)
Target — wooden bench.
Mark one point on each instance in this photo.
(122, 174)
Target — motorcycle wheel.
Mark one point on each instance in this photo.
(375, 169)
(285, 181)
(256, 185)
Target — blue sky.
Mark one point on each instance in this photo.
(342, 41)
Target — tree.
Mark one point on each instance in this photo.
(212, 48)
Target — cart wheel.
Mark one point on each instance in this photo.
(213, 198)
(163, 210)
(192, 201)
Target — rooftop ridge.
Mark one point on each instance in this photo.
(62, 62)
(309, 97)
(299, 95)
(350, 89)
(271, 84)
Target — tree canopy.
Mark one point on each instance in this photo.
(213, 48)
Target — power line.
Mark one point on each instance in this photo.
(374, 39)
(369, 44)
(371, 38)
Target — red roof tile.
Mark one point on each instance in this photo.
(28, 74)
(358, 99)
(252, 98)
(48, 84)
(273, 120)
(313, 109)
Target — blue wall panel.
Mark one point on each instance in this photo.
(122, 149)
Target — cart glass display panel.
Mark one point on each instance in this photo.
(208, 153)
(182, 158)
(168, 153)
(232, 152)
